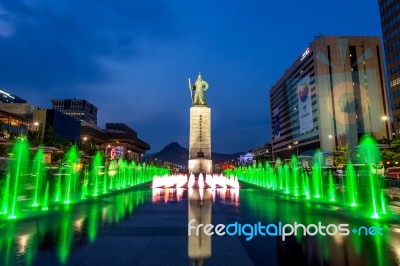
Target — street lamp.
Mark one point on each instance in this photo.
(38, 128)
(385, 119)
(330, 136)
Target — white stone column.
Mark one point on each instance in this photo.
(200, 140)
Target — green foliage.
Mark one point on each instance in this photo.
(383, 140)
(5, 150)
(33, 138)
(264, 158)
(391, 155)
(89, 148)
(342, 155)
(53, 140)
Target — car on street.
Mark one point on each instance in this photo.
(392, 173)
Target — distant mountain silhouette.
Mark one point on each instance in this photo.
(177, 154)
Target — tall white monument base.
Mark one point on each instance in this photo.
(197, 166)
(200, 140)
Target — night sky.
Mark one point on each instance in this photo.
(132, 59)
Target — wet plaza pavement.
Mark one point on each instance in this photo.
(150, 227)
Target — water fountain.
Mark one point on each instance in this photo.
(360, 191)
(39, 172)
(317, 175)
(370, 155)
(31, 187)
(16, 176)
(97, 173)
(351, 185)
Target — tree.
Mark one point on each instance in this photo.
(5, 150)
(391, 156)
(342, 155)
(89, 147)
(33, 138)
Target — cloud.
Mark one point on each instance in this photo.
(58, 44)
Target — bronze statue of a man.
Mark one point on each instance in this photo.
(199, 88)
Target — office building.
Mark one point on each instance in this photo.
(93, 134)
(6, 97)
(118, 140)
(331, 95)
(16, 115)
(124, 143)
(58, 124)
(13, 125)
(390, 21)
(82, 110)
(21, 109)
(262, 153)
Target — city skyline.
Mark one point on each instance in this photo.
(133, 61)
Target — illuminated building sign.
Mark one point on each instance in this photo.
(115, 152)
(246, 158)
(305, 105)
(304, 55)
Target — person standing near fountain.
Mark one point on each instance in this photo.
(199, 88)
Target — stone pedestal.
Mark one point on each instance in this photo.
(200, 140)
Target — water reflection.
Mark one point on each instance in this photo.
(64, 230)
(259, 205)
(199, 209)
(228, 195)
(59, 236)
(200, 203)
(167, 195)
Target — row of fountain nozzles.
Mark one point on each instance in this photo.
(183, 181)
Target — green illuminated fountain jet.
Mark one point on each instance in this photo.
(18, 175)
(360, 190)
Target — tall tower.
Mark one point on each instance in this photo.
(389, 11)
(200, 129)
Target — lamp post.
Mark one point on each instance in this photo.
(38, 128)
(385, 119)
(295, 144)
(330, 136)
(290, 150)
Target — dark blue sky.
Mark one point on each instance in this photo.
(132, 58)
